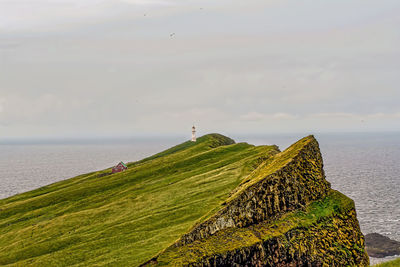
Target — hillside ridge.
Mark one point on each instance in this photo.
(128, 217)
(259, 197)
(213, 202)
(287, 192)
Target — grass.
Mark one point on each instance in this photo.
(271, 165)
(393, 263)
(233, 239)
(125, 218)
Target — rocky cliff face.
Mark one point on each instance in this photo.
(291, 180)
(283, 214)
(332, 241)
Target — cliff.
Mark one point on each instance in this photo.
(325, 233)
(283, 214)
(213, 202)
(286, 182)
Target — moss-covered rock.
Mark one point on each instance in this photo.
(325, 233)
(283, 214)
(286, 182)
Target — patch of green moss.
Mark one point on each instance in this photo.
(283, 182)
(271, 165)
(393, 263)
(232, 239)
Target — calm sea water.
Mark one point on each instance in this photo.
(24, 167)
(365, 167)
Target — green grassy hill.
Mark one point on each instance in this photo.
(125, 219)
(282, 214)
(393, 263)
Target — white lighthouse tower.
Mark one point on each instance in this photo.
(193, 134)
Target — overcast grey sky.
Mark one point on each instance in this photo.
(139, 67)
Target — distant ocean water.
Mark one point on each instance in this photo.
(365, 167)
(27, 166)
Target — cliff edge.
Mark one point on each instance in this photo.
(283, 214)
(213, 202)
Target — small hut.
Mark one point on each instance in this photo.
(120, 167)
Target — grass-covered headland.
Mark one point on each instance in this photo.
(283, 214)
(207, 203)
(125, 218)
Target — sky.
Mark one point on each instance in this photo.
(96, 68)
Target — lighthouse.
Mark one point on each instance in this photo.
(193, 134)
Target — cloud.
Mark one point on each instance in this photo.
(40, 16)
(1, 105)
(356, 116)
(8, 45)
(325, 116)
(381, 115)
(334, 115)
(86, 65)
(150, 2)
(256, 116)
(170, 121)
(46, 108)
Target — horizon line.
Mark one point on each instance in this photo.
(148, 137)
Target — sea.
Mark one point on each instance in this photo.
(363, 166)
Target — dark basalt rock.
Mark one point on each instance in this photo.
(284, 214)
(379, 246)
(335, 241)
(294, 179)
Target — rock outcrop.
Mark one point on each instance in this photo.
(289, 181)
(283, 214)
(326, 233)
(380, 246)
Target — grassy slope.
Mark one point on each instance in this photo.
(127, 217)
(334, 203)
(271, 165)
(393, 263)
